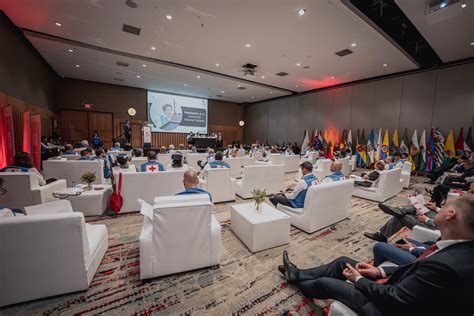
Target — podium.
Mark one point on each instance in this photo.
(146, 137)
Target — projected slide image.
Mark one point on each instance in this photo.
(171, 113)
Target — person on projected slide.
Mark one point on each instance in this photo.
(168, 120)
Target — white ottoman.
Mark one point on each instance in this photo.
(93, 202)
(259, 231)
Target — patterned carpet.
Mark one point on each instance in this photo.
(245, 283)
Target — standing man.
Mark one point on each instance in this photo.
(127, 131)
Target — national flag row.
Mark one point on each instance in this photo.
(425, 152)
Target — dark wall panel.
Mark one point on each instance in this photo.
(294, 109)
(387, 103)
(362, 105)
(282, 121)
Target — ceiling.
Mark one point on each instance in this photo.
(203, 33)
(449, 31)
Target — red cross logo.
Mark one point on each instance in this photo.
(151, 168)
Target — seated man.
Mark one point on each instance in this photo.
(336, 174)
(370, 179)
(454, 181)
(56, 154)
(449, 164)
(227, 152)
(152, 165)
(85, 155)
(215, 163)
(100, 154)
(124, 164)
(442, 274)
(22, 162)
(397, 161)
(296, 198)
(116, 147)
(68, 151)
(404, 216)
(191, 182)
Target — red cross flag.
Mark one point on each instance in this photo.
(151, 168)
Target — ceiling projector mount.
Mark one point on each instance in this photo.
(249, 69)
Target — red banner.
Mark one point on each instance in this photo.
(8, 136)
(35, 140)
(3, 150)
(26, 132)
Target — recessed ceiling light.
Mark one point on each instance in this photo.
(353, 44)
(169, 17)
(198, 76)
(296, 86)
(247, 45)
(263, 77)
(77, 66)
(271, 92)
(185, 84)
(239, 85)
(252, 97)
(143, 65)
(302, 12)
(472, 43)
(58, 24)
(70, 50)
(298, 64)
(463, 5)
(217, 65)
(138, 76)
(222, 91)
(153, 48)
(385, 65)
(332, 77)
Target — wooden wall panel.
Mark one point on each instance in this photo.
(74, 126)
(102, 123)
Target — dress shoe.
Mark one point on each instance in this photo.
(291, 272)
(376, 236)
(394, 211)
(282, 270)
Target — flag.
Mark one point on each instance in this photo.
(330, 145)
(325, 144)
(449, 145)
(394, 145)
(422, 160)
(430, 147)
(385, 144)
(26, 132)
(378, 145)
(342, 142)
(370, 148)
(311, 141)
(404, 143)
(361, 155)
(468, 143)
(414, 151)
(459, 146)
(304, 145)
(439, 150)
(349, 140)
(318, 143)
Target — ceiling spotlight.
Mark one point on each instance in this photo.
(463, 5)
(332, 77)
(302, 12)
(143, 65)
(252, 97)
(472, 43)
(385, 65)
(222, 91)
(185, 84)
(442, 5)
(169, 17)
(70, 50)
(247, 45)
(353, 44)
(58, 24)
(298, 64)
(217, 65)
(153, 48)
(296, 86)
(77, 66)
(271, 92)
(263, 77)
(138, 76)
(198, 76)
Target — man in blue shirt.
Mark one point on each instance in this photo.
(68, 151)
(152, 165)
(336, 174)
(216, 163)
(296, 198)
(85, 155)
(100, 154)
(190, 182)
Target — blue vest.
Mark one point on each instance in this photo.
(84, 158)
(298, 201)
(20, 169)
(156, 163)
(106, 166)
(218, 164)
(195, 191)
(69, 153)
(115, 149)
(336, 176)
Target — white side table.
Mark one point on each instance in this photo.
(93, 202)
(259, 231)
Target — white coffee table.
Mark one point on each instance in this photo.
(259, 231)
(93, 202)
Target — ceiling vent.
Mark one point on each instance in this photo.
(131, 29)
(131, 4)
(343, 52)
(241, 88)
(249, 69)
(123, 64)
(282, 74)
(306, 67)
(118, 79)
(219, 96)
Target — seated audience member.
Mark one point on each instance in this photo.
(124, 165)
(177, 162)
(216, 162)
(68, 150)
(170, 148)
(458, 167)
(152, 165)
(227, 151)
(96, 141)
(85, 155)
(405, 216)
(388, 162)
(370, 179)
(138, 152)
(233, 153)
(191, 182)
(443, 273)
(82, 144)
(336, 174)
(348, 152)
(56, 154)
(398, 161)
(181, 147)
(288, 151)
(193, 149)
(116, 147)
(163, 150)
(22, 162)
(401, 254)
(454, 181)
(100, 154)
(296, 198)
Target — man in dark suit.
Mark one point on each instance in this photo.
(127, 131)
(440, 282)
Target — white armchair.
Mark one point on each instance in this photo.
(72, 170)
(346, 168)
(353, 162)
(406, 174)
(388, 186)
(235, 166)
(192, 160)
(48, 254)
(323, 169)
(179, 234)
(325, 204)
(218, 182)
(292, 163)
(269, 177)
(23, 190)
(276, 159)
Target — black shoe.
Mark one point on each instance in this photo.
(390, 210)
(282, 270)
(291, 271)
(376, 236)
(430, 182)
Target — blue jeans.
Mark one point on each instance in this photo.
(383, 252)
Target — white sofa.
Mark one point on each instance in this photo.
(147, 185)
(276, 159)
(353, 162)
(179, 234)
(241, 153)
(388, 186)
(323, 169)
(269, 177)
(72, 170)
(346, 168)
(164, 159)
(218, 182)
(71, 157)
(292, 163)
(48, 254)
(192, 160)
(418, 233)
(247, 161)
(138, 161)
(121, 152)
(325, 204)
(23, 190)
(257, 156)
(235, 166)
(405, 175)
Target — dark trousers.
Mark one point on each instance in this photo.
(440, 192)
(279, 199)
(328, 282)
(409, 220)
